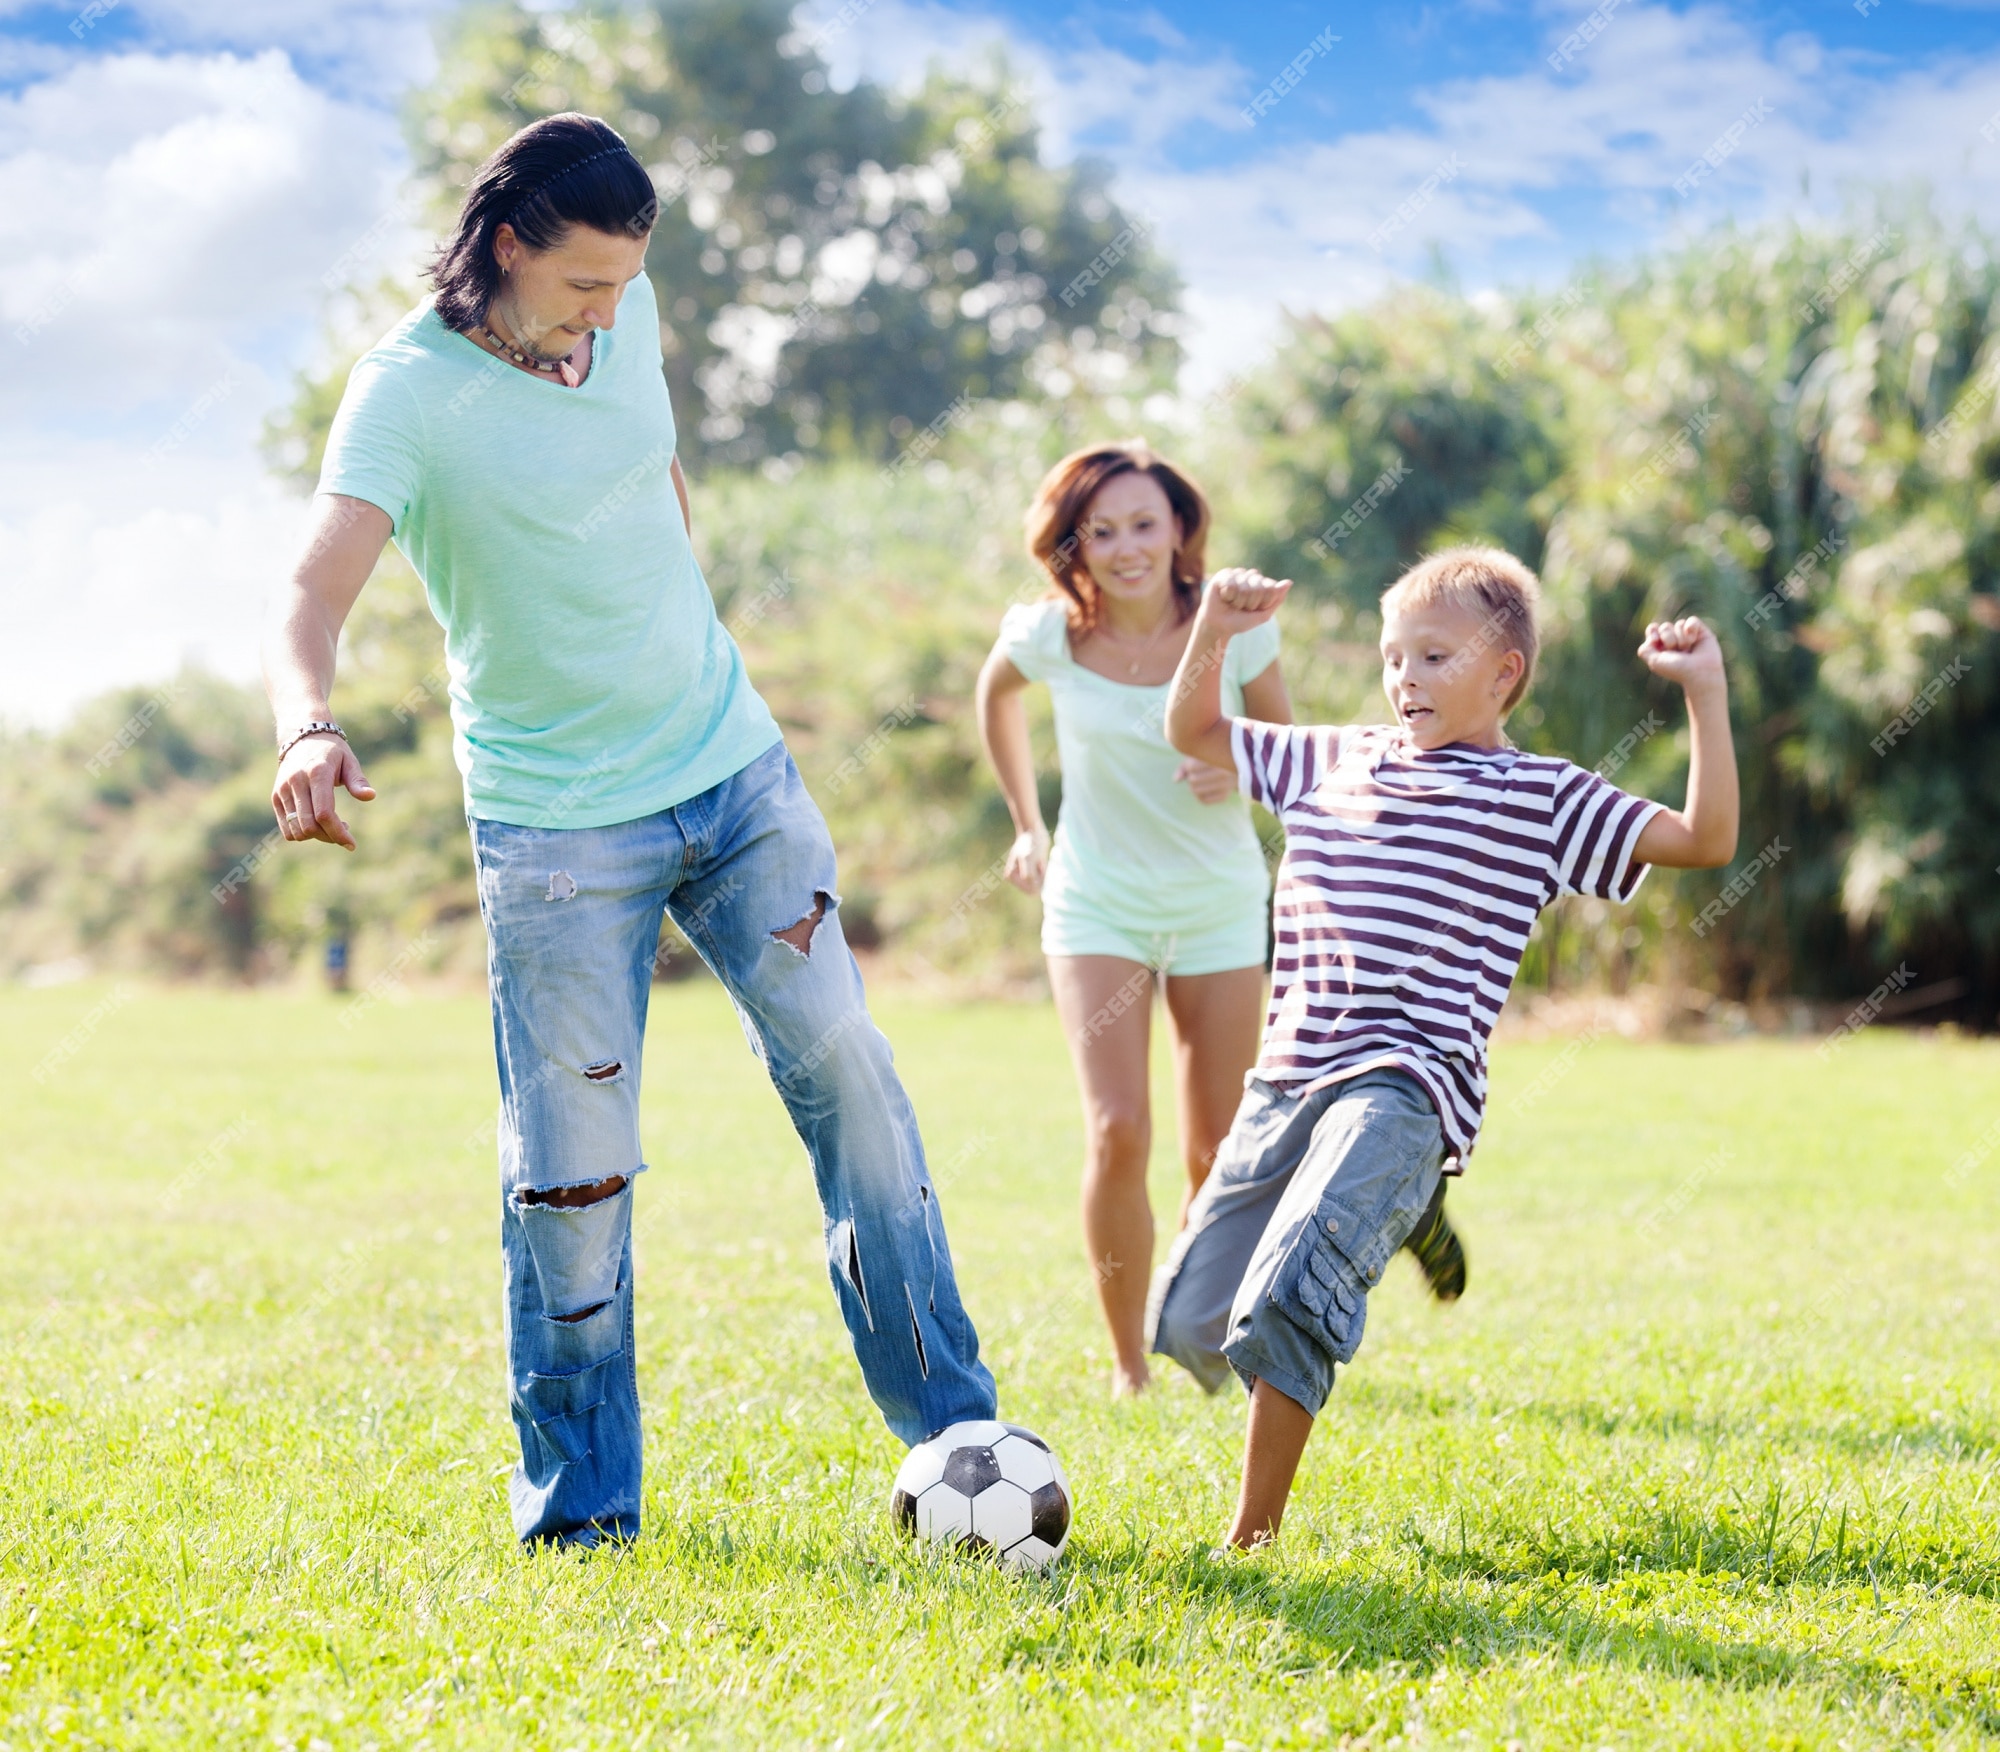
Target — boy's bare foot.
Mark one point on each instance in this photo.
(1129, 1383)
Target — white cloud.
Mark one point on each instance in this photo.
(176, 219)
(168, 228)
(1262, 229)
(1091, 96)
(22, 58)
(162, 217)
(93, 595)
(354, 46)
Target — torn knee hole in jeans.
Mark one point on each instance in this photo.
(572, 1198)
(798, 937)
(576, 1233)
(603, 1071)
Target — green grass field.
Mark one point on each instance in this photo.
(1707, 1458)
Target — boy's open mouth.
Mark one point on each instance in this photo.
(1415, 715)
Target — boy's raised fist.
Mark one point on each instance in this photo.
(1240, 597)
(1682, 650)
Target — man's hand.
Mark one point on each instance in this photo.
(1240, 597)
(1028, 859)
(302, 798)
(1683, 651)
(346, 539)
(1209, 784)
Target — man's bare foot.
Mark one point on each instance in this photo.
(1129, 1383)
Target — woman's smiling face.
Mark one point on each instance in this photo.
(1129, 537)
(1447, 671)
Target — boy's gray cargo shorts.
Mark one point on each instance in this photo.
(1309, 1197)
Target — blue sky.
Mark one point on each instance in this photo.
(179, 180)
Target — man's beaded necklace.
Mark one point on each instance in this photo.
(558, 368)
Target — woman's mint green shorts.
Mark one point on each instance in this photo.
(1071, 927)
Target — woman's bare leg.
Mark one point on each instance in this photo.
(1217, 1018)
(1105, 1003)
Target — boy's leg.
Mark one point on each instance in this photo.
(572, 917)
(758, 901)
(1272, 1449)
(1363, 1182)
(1187, 1316)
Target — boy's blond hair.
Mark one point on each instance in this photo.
(1485, 581)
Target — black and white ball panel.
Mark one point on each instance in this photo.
(986, 1485)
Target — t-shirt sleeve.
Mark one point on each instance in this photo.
(375, 450)
(1033, 636)
(1596, 826)
(639, 306)
(639, 317)
(1251, 653)
(1278, 765)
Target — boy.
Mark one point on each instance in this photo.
(1417, 856)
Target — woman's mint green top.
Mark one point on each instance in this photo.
(1131, 843)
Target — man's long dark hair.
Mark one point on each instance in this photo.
(561, 171)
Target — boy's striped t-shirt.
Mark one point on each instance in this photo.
(1410, 881)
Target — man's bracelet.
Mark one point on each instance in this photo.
(316, 728)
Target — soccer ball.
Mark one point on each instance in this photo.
(986, 1486)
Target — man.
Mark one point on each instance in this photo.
(515, 437)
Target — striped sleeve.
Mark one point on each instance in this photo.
(1278, 765)
(1595, 827)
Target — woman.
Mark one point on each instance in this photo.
(1156, 871)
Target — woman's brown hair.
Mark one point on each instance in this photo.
(1056, 541)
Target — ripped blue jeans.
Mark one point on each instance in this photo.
(573, 921)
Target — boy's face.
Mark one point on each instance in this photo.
(1446, 671)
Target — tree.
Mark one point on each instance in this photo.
(834, 269)
(1791, 433)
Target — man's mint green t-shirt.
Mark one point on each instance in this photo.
(591, 681)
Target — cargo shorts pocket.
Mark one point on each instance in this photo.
(1365, 1240)
(1319, 1289)
(1370, 1202)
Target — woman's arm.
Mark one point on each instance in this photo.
(1003, 728)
